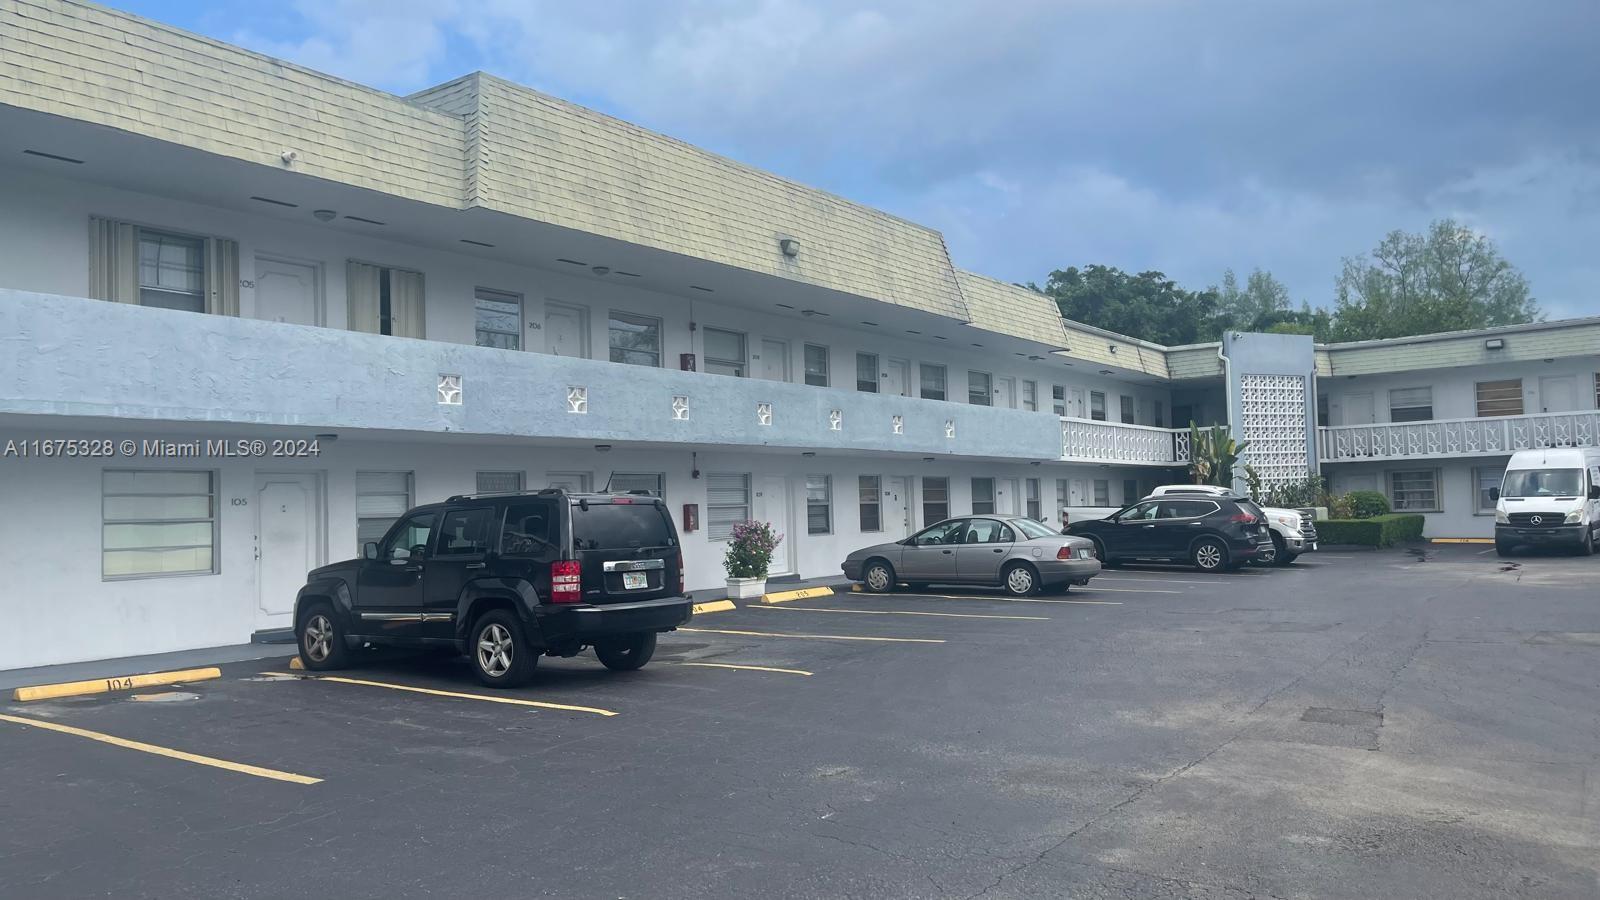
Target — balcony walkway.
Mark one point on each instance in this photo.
(1441, 438)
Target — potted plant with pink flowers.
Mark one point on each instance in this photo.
(749, 558)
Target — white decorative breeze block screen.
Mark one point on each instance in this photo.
(1273, 408)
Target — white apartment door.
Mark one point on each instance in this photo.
(1078, 407)
(897, 378)
(287, 292)
(772, 506)
(566, 330)
(1006, 501)
(1078, 492)
(896, 507)
(1005, 392)
(1358, 409)
(288, 542)
(1558, 393)
(774, 360)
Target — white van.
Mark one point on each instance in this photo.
(1549, 498)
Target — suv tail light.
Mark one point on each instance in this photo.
(1065, 552)
(1244, 518)
(566, 581)
(680, 573)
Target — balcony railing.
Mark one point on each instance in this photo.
(1497, 436)
(1088, 440)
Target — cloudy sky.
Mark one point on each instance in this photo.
(1148, 134)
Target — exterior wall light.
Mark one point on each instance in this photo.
(790, 247)
(1494, 344)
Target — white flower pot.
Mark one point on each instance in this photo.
(746, 588)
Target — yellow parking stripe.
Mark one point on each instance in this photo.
(747, 668)
(487, 698)
(999, 599)
(168, 752)
(818, 637)
(899, 612)
(1130, 590)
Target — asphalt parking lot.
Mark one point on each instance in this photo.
(1394, 724)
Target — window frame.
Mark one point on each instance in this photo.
(1130, 497)
(521, 478)
(1391, 491)
(1033, 498)
(922, 491)
(1098, 488)
(876, 503)
(660, 492)
(1478, 509)
(748, 504)
(643, 321)
(1159, 414)
(826, 503)
(199, 242)
(923, 370)
(742, 365)
(1127, 410)
(1409, 417)
(486, 541)
(481, 295)
(861, 382)
(1058, 399)
(410, 501)
(1503, 386)
(826, 377)
(1100, 414)
(992, 502)
(214, 520)
(986, 392)
(1030, 395)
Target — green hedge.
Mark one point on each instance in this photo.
(1378, 531)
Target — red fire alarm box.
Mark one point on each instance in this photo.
(691, 517)
(686, 362)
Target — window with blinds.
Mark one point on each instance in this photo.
(932, 381)
(1125, 407)
(980, 390)
(1414, 491)
(725, 352)
(1035, 511)
(1412, 404)
(628, 482)
(1500, 398)
(935, 500)
(870, 491)
(1486, 481)
(1097, 406)
(983, 496)
(152, 267)
(819, 504)
(499, 482)
(1030, 396)
(816, 365)
(867, 373)
(1102, 492)
(727, 504)
(157, 522)
(381, 499)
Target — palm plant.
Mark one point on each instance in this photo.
(1212, 455)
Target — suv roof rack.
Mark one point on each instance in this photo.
(490, 494)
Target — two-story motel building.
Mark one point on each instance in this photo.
(213, 263)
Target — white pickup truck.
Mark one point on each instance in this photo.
(1293, 531)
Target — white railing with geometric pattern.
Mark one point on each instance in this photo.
(1494, 436)
(1090, 440)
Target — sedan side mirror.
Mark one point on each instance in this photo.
(369, 550)
(1494, 495)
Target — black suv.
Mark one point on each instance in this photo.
(1214, 532)
(505, 578)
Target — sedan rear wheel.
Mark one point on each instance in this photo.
(1020, 580)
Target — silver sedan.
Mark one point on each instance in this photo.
(1011, 552)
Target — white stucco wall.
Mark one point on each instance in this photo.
(1458, 515)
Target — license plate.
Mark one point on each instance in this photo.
(634, 580)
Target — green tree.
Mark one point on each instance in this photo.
(1261, 297)
(1148, 305)
(1451, 278)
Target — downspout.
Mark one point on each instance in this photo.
(1227, 393)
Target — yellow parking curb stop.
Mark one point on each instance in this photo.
(713, 606)
(1461, 540)
(296, 664)
(112, 685)
(801, 594)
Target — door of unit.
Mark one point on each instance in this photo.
(897, 377)
(289, 517)
(896, 507)
(1358, 408)
(1558, 393)
(774, 360)
(288, 291)
(566, 329)
(1005, 392)
(1078, 408)
(772, 505)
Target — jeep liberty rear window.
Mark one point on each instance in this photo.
(612, 526)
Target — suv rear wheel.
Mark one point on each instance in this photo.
(627, 653)
(1209, 555)
(500, 654)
